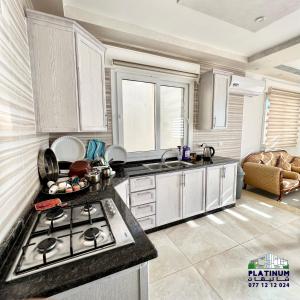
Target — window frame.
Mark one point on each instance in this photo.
(159, 79)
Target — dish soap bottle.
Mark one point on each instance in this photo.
(186, 153)
(179, 153)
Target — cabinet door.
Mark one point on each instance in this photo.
(213, 187)
(220, 99)
(193, 193)
(228, 184)
(123, 191)
(168, 198)
(130, 284)
(91, 86)
(53, 63)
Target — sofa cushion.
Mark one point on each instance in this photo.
(289, 158)
(255, 158)
(289, 183)
(290, 175)
(295, 169)
(296, 162)
(283, 164)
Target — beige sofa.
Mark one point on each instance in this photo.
(276, 172)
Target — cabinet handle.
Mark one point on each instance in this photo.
(139, 179)
(214, 122)
(144, 206)
(183, 179)
(224, 172)
(144, 193)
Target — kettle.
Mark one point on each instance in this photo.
(208, 152)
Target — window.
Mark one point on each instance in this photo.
(281, 119)
(138, 104)
(152, 114)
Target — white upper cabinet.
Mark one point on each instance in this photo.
(90, 70)
(213, 100)
(67, 66)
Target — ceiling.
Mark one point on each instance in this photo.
(219, 31)
(244, 13)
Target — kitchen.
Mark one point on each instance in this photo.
(104, 147)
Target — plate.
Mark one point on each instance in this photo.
(68, 148)
(45, 191)
(115, 152)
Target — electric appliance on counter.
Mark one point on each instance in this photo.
(208, 152)
(63, 234)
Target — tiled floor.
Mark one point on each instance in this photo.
(207, 258)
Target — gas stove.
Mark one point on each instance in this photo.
(64, 234)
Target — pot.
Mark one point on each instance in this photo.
(117, 165)
(93, 176)
(80, 168)
(47, 165)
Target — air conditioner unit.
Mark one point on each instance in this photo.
(246, 86)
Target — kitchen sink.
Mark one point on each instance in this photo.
(178, 163)
(156, 166)
(168, 165)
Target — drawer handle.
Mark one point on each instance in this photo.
(139, 179)
(147, 219)
(141, 207)
(144, 193)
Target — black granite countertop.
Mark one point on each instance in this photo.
(72, 274)
(138, 168)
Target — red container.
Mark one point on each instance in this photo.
(79, 168)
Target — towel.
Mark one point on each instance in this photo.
(95, 149)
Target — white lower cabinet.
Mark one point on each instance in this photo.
(193, 192)
(229, 184)
(147, 222)
(168, 198)
(123, 191)
(144, 210)
(220, 186)
(213, 187)
(130, 284)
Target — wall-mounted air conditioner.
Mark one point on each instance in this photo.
(246, 86)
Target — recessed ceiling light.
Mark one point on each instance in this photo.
(260, 19)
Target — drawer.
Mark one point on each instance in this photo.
(142, 183)
(147, 222)
(142, 197)
(143, 210)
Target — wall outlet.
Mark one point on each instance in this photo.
(213, 144)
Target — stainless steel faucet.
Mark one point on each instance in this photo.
(163, 160)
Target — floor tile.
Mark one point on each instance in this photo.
(186, 284)
(266, 213)
(238, 226)
(275, 242)
(292, 229)
(281, 244)
(199, 240)
(169, 259)
(227, 274)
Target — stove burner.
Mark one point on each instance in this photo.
(88, 207)
(46, 245)
(55, 213)
(91, 233)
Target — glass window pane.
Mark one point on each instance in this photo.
(171, 117)
(138, 115)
